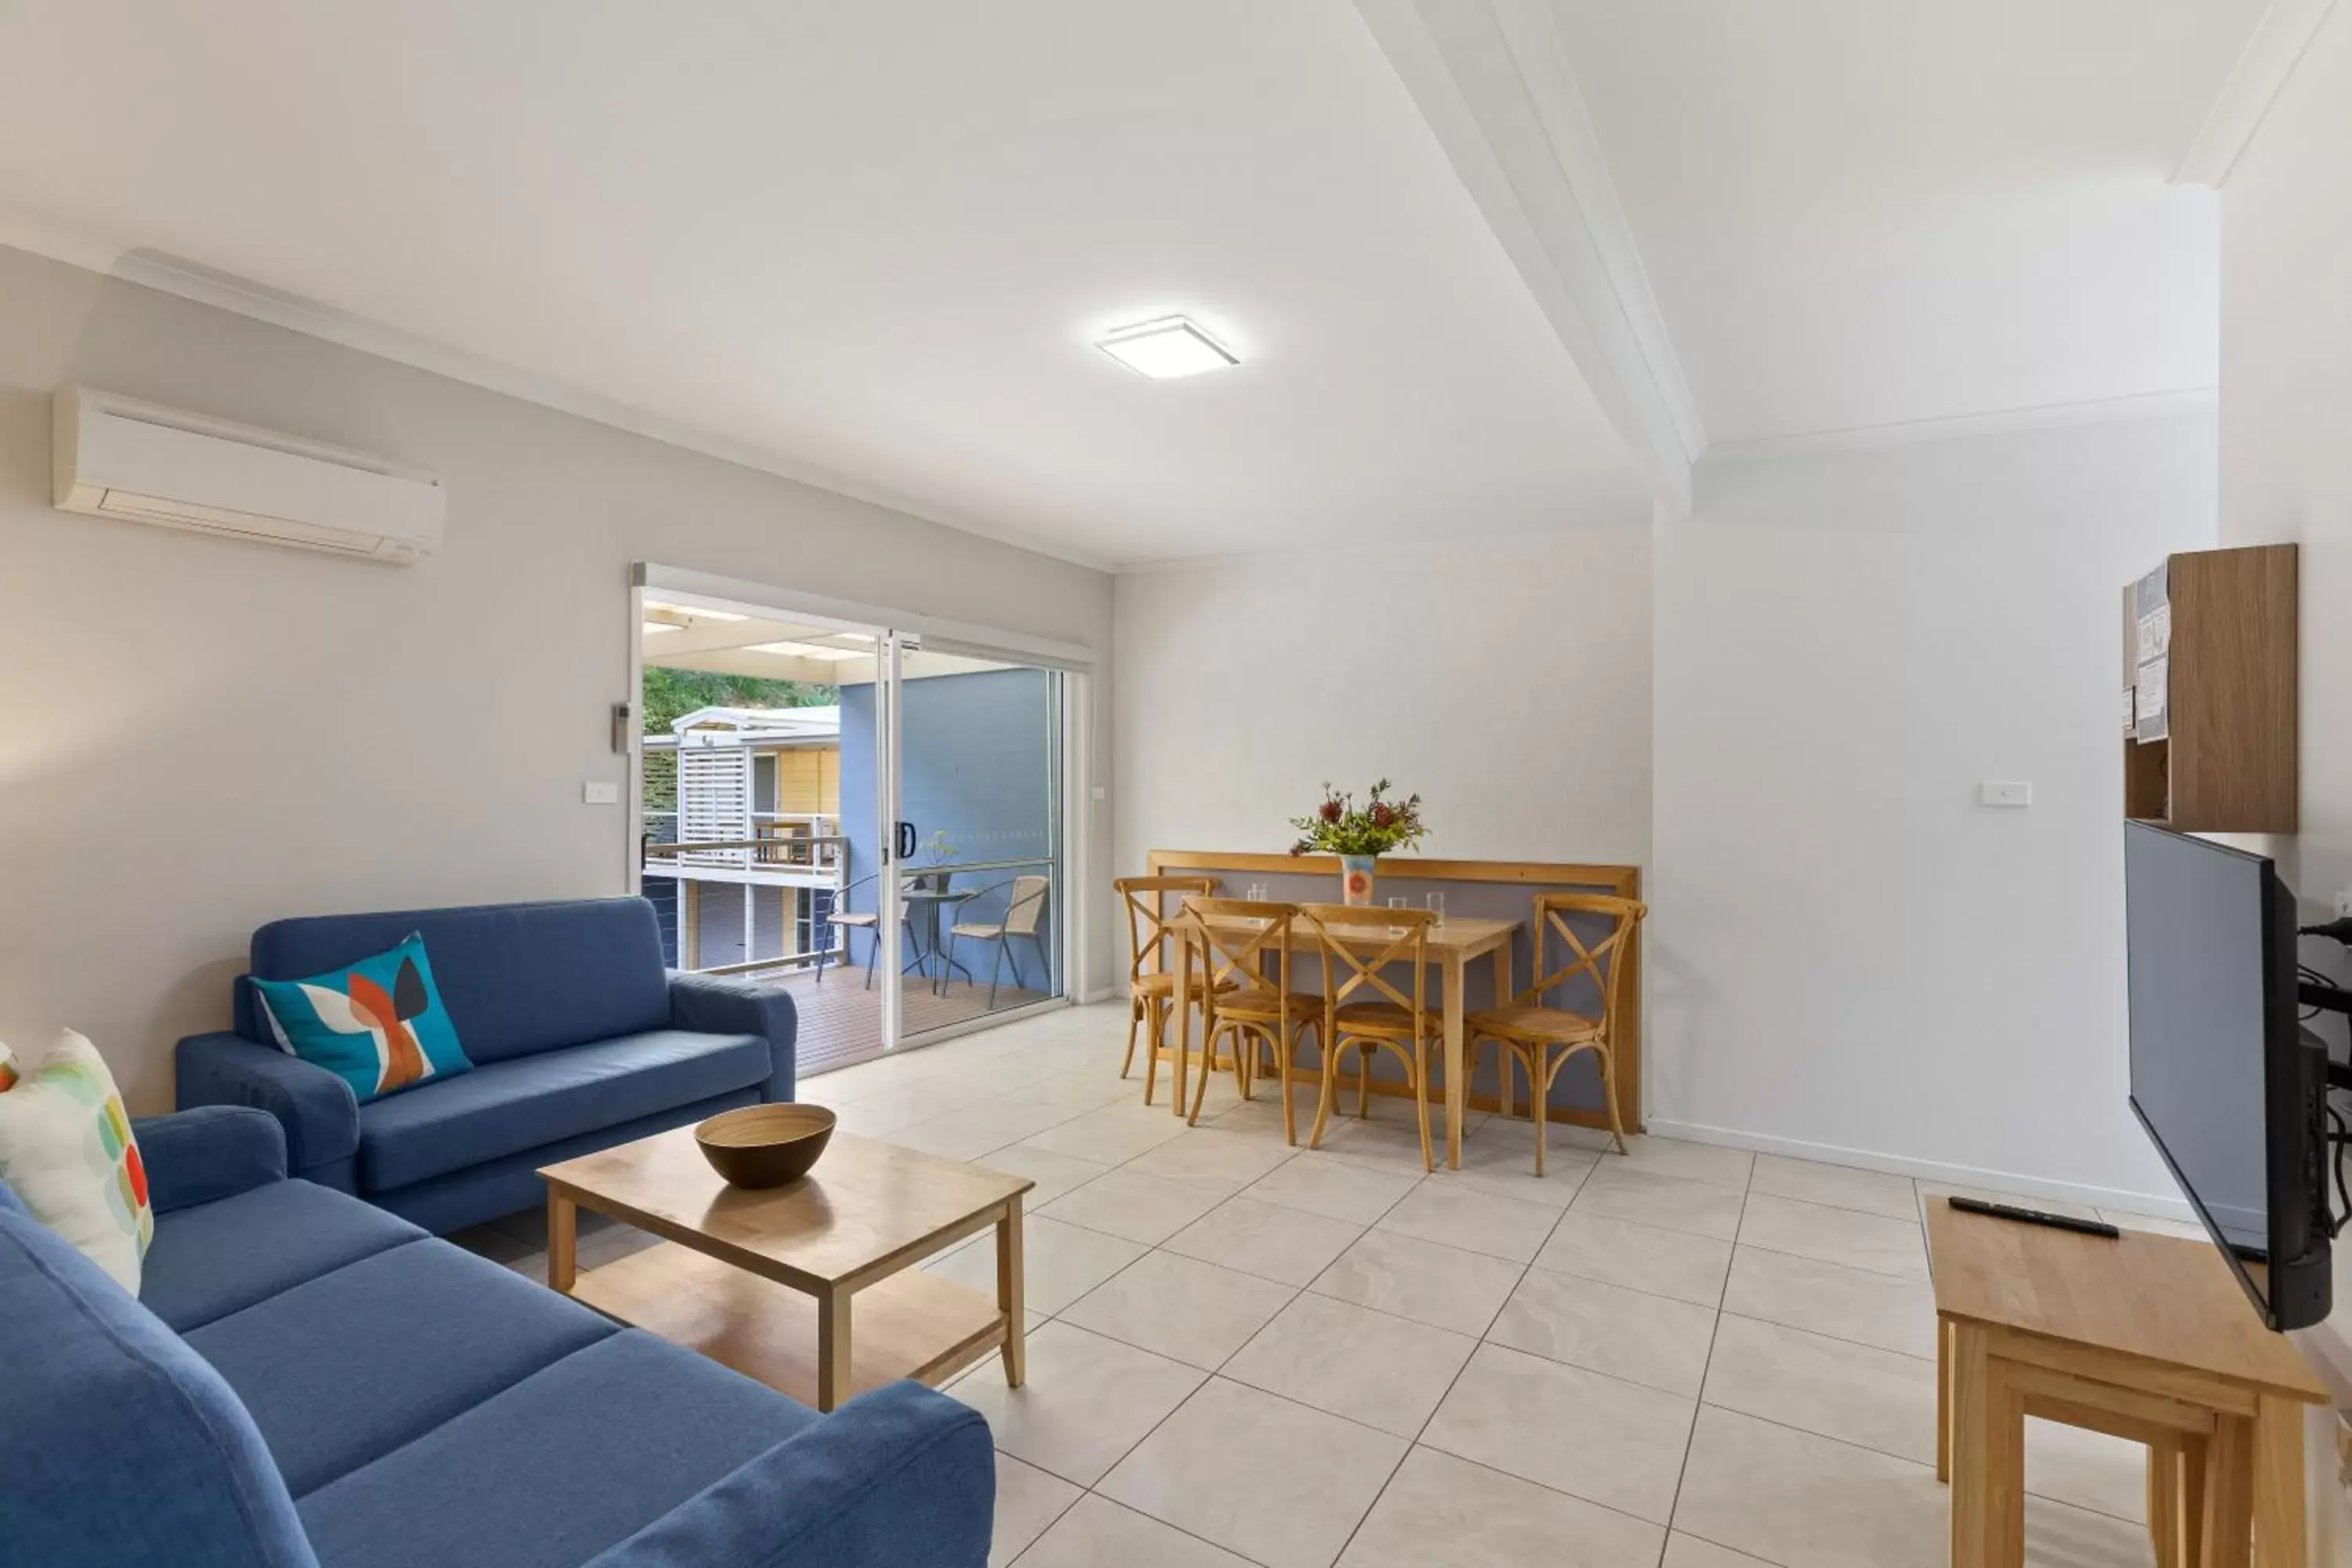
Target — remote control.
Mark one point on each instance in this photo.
(2036, 1216)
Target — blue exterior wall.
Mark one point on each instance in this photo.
(980, 764)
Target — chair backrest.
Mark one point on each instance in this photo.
(1147, 917)
(1028, 903)
(1231, 939)
(1360, 940)
(1602, 960)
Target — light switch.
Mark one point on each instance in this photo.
(598, 792)
(2004, 792)
(1099, 793)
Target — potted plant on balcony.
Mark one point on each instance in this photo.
(1358, 836)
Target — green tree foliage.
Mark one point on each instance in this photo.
(670, 694)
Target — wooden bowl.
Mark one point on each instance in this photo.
(764, 1145)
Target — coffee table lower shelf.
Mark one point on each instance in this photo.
(909, 1324)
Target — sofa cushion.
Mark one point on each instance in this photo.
(509, 1106)
(377, 1023)
(119, 1448)
(556, 1468)
(343, 1369)
(220, 1258)
(517, 978)
(456, 1199)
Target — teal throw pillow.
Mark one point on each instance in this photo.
(378, 1025)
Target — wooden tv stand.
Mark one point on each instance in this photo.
(2146, 1337)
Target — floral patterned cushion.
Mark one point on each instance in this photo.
(67, 1151)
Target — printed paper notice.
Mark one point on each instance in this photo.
(2149, 709)
(2155, 634)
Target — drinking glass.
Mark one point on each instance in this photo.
(1400, 902)
(1437, 906)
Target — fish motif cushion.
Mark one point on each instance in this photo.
(379, 1024)
(67, 1151)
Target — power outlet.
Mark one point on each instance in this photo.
(601, 792)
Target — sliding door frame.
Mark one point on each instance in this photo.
(896, 632)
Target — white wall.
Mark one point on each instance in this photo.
(1850, 959)
(1506, 680)
(2286, 474)
(199, 735)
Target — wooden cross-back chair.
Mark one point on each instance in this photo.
(1358, 942)
(1244, 950)
(1150, 977)
(1530, 1031)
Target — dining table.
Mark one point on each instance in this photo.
(1453, 943)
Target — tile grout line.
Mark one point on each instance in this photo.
(1715, 1333)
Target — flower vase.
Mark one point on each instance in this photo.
(1356, 878)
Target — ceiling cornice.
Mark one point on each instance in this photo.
(205, 285)
(1959, 426)
(1494, 84)
(2272, 51)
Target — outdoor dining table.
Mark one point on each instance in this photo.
(1453, 944)
(928, 891)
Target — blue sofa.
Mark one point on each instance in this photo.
(580, 1039)
(307, 1382)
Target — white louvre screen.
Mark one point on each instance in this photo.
(714, 803)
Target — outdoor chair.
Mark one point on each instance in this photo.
(1022, 912)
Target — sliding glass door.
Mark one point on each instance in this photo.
(980, 823)
(842, 810)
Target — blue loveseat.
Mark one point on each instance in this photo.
(307, 1382)
(580, 1039)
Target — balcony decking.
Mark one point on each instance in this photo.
(841, 1020)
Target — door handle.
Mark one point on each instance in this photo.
(906, 841)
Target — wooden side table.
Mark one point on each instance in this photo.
(2146, 1337)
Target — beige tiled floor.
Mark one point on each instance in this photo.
(1245, 1353)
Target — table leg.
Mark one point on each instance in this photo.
(563, 1241)
(1988, 1457)
(2278, 1483)
(2192, 1500)
(1458, 1079)
(1010, 1279)
(2228, 1504)
(2164, 1499)
(1501, 1069)
(834, 1382)
(1943, 1399)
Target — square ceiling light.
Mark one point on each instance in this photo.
(1167, 348)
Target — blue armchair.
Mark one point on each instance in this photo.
(581, 1039)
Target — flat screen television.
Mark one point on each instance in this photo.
(2224, 1076)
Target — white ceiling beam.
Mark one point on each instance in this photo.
(2272, 51)
(1494, 84)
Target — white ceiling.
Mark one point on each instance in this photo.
(1862, 212)
(871, 239)
(869, 243)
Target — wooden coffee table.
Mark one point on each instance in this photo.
(762, 1281)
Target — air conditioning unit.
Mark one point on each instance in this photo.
(113, 457)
